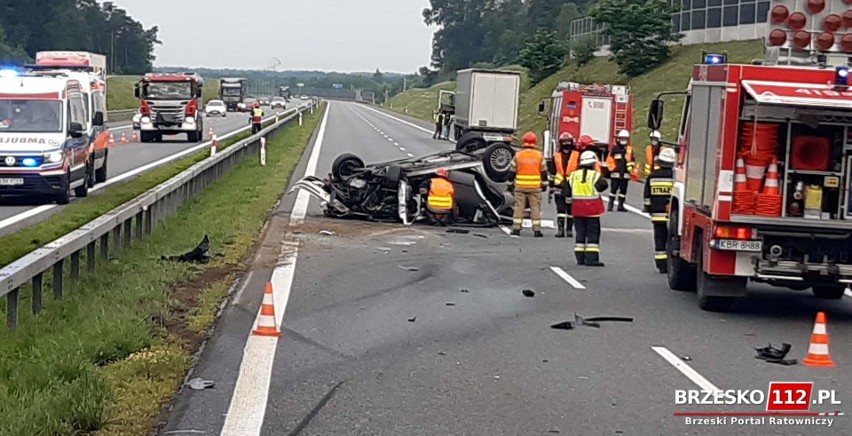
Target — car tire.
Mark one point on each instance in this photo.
(393, 176)
(90, 172)
(82, 191)
(829, 292)
(102, 172)
(345, 165)
(471, 142)
(704, 283)
(65, 196)
(145, 137)
(497, 160)
(679, 272)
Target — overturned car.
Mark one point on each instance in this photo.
(390, 191)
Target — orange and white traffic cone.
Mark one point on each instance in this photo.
(818, 355)
(771, 185)
(740, 180)
(266, 321)
(134, 137)
(213, 144)
(123, 138)
(210, 132)
(111, 139)
(769, 201)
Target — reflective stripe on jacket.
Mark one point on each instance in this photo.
(651, 153)
(528, 166)
(658, 191)
(441, 192)
(587, 200)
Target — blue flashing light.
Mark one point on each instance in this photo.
(8, 72)
(29, 162)
(841, 76)
(714, 59)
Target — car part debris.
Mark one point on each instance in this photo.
(480, 235)
(451, 304)
(327, 233)
(199, 254)
(199, 384)
(567, 325)
(464, 290)
(412, 319)
(409, 268)
(528, 293)
(610, 319)
(441, 353)
(459, 231)
(686, 358)
(774, 355)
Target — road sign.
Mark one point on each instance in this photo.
(338, 86)
(300, 85)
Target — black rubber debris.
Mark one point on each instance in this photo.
(528, 293)
(199, 254)
(774, 355)
(464, 290)
(567, 325)
(480, 235)
(459, 231)
(451, 304)
(412, 319)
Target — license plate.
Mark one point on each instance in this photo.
(11, 182)
(734, 245)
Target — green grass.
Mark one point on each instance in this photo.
(120, 92)
(81, 211)
(672, 76)
(102, 360)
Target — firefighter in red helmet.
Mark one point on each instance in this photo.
(561, 187)
(528, 178)
(256, 118)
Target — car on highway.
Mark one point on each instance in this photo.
(304, 97)
(278, 102)
(391, 191)
(137, 120)
(247, 104)
(264, 101)
(216, 107)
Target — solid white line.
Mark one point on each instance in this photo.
(505, 230)
(300, 208)
(848, 292)
(630, 209)
(567, 277)
(398, 119)
(685, 369)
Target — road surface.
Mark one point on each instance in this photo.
(392, 330)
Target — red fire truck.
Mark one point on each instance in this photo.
(599, 111)
(762, 183)
(170, 104)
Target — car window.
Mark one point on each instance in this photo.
(77, 111)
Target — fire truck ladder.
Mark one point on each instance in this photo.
(620, 113)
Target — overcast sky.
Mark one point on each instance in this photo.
(339, 35)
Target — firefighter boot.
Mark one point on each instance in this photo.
(537, 234)
(515, 232)
(621, 207)
(560, 227)
(662, 267)
(569, 228)
(592, 259)
(611, 204)
(581, 257)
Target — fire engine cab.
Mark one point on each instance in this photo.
(170, 104)
(762, 183)
(599, 111)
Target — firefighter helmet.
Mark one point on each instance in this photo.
(667, 157)
(442, 172)
(588, 158)
(655, 134)
(623, 134)
(566, 138)
(586, 141)
(530, 140)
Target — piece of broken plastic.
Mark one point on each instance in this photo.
(200, 384)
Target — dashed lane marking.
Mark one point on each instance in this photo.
(685, 369)
(380, 132)
(848, 292)
(399, 120)
(567, 277)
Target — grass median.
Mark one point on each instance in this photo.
(106, 357)
(82, 211)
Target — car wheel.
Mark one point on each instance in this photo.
(393, 176)
(82, 191)
(470, 142)
(65, 196)
(90, 172)
(497, 160)
(829, 292)
(346, 165)
(101, 173)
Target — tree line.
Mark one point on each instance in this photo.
(535, 34)
(29, 26)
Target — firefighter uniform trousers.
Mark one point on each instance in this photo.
(256, 121)
(620, 164)
(657, 197)
(530, 171)
(562, 196)
(586, 186)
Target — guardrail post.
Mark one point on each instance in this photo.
(12, 308)
(149, 220)
(116, 238)
(38, 280)
(128, 233)
(140, 225)
(75, 265)
(105, 246)
(57, 278)
(91, 256)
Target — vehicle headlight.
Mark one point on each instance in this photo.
(189, 120)
(53, 157)
(146, 120)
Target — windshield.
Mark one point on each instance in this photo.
(277, 98)
(215, 103)
(30, 116)
(168, 90)
(250, 101)
(231, 91)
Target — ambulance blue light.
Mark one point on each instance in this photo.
(714, 59)
(841, 76)
(29, 162)
(8, 72)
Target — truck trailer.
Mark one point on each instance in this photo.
(763, 182)
(485, 107)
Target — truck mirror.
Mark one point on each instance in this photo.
(76, 130)
(655, 114)
(99, 119)
(541, 107)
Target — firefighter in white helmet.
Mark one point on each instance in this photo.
(587, 206)
(652, 151)
(620, 165)
(658, 191)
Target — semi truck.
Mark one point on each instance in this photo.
(763, 180)
(485, 106)
(170, 104)
(284, 91)
(232, 90)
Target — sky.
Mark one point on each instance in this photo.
(328, 35)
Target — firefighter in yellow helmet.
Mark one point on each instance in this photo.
(658, 191)
(528, 178)
(587, 206)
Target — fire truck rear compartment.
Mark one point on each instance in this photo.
(803, 258)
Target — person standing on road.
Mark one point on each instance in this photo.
(256, 119)
(586, 187)
(652, 151)
(561, 187)
(658, 191)
(439, 125)
(620, 164)
(440, 200)
(528, 175)
(448, 119)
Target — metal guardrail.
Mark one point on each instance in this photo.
(121, 226)
(121, 112)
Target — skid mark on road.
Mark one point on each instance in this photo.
(685, 369)
(385, 135)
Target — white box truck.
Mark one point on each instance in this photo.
(486, 107)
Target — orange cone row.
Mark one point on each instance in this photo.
(743, 196)
(748, 181)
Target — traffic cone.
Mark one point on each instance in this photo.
(771, 186)
(123, 138)
(634, 176)
(134, 138)
(266, 321)
(740, 181)
(755, 169)
(111, 139)
(210, 132)
(818, 349)
(213, 145)
(744, 197)
(769, 201)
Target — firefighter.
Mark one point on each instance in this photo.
(658, 191)
(561, 187)
(528, 174)
(440, 200)
(652, 151)
(586, 187)
(256, 118)
(620, 165)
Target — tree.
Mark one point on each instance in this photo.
(542, 14)
(10, 54)
(378, 77)
(583, 49)
(639, 30)
(543, 56)
(567, 15)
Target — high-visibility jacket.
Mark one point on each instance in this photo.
(257, 115)
(574, 163)
(529, 168)
(441, 193)
(658, 193)
(620, 161)
(561, 161)
(586, 193)
(651, 153)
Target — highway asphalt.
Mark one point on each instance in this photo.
(415, 331)
(126, 160)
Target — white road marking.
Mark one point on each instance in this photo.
(631, 209)
(398, 119)
(300, 207)
(685, 369)
(401, 148)
(616, 230)
(567, 277)
(848, 292)
(409, 155)
(506, 230)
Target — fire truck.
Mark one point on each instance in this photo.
(170, 104)
(762, 182)
(599, 111)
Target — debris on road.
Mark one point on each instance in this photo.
(199, 254)
(199, 384)
(480, 235)
(441, 353)
(464, 290)
(412, 319)
(451, 304)
(327, 233)
(685, 358)
(588, 322)
(409, 268)
(567, 325)
(528, 293)
(459, 231)
(774, 355)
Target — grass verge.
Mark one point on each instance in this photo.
(81, 211)
(113, 351)
(120, 92)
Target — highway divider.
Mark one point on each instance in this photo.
(119, 228)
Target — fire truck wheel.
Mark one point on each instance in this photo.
(471, 141)
(829, 292)
(706, 286)
(145, 137)
(680, 273)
